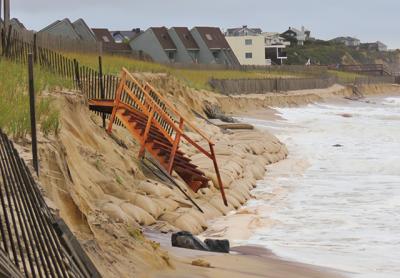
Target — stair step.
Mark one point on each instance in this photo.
(196, 185)
(182, 167)
(143, 124)
(160, 147)
(177, 155)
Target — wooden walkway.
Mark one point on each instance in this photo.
(159, 128)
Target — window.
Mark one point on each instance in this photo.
(105, 38)
(209, 37)
(171, 55)
(248, 42)
(249, 55)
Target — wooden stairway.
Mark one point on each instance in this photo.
(158, 127)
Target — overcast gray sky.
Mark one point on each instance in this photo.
(366, 19)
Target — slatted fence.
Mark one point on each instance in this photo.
(34, 241)
(261, 86)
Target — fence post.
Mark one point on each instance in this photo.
(34, 48)
(77, 77)
(33, 114)
(103, 115)
(3, 40)
(8, 42)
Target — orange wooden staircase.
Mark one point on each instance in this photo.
(158, 127)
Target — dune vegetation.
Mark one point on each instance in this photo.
(195, 78)
(14, 99)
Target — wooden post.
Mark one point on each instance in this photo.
(35, 48)
(33, 114)
(146, 133)
(77, 77)
(102, 88)
(116, 101)
(221, 186)
(175, 147)
(6, 13)
(8, 42)
(1, 5)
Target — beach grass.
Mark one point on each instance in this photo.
(195, 78)
(345, 77)
(14, 99)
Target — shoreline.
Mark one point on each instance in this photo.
(242, 262)
(236, 226)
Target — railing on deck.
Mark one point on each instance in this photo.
(163, 115)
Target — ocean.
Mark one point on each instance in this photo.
(337, 204)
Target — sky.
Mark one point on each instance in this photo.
(365, 19)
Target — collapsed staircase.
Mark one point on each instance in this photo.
(158, 127)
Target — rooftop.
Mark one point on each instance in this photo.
(213, 37)
(163, 37)
(186, 37)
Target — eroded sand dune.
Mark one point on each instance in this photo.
(103, 193)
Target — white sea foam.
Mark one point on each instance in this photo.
(344, 211)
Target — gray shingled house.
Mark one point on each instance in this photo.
(62, 28)
(65, 28)
(214, 49)
(83, 30)
(157, 43)
(187, 48)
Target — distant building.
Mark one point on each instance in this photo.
(249, 49)
(347, 41)
(243, 31)
(125, 36)
(274, 38)
(252, 47)
(83, 30)
(187, 49)
(296, 36)
(157, 43)
(214, 49)
(103, 35)
(275, 46)
(374, 46)
(17, 25)
(77, 30)
(62, 28)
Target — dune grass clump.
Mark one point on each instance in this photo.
(14, 99)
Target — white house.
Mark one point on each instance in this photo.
(252, 47)
(250, 50)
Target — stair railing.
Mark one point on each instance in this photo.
(171, 123)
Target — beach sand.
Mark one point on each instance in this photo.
(105, 196)
(243, 261)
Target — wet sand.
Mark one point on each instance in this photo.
(243, 261)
